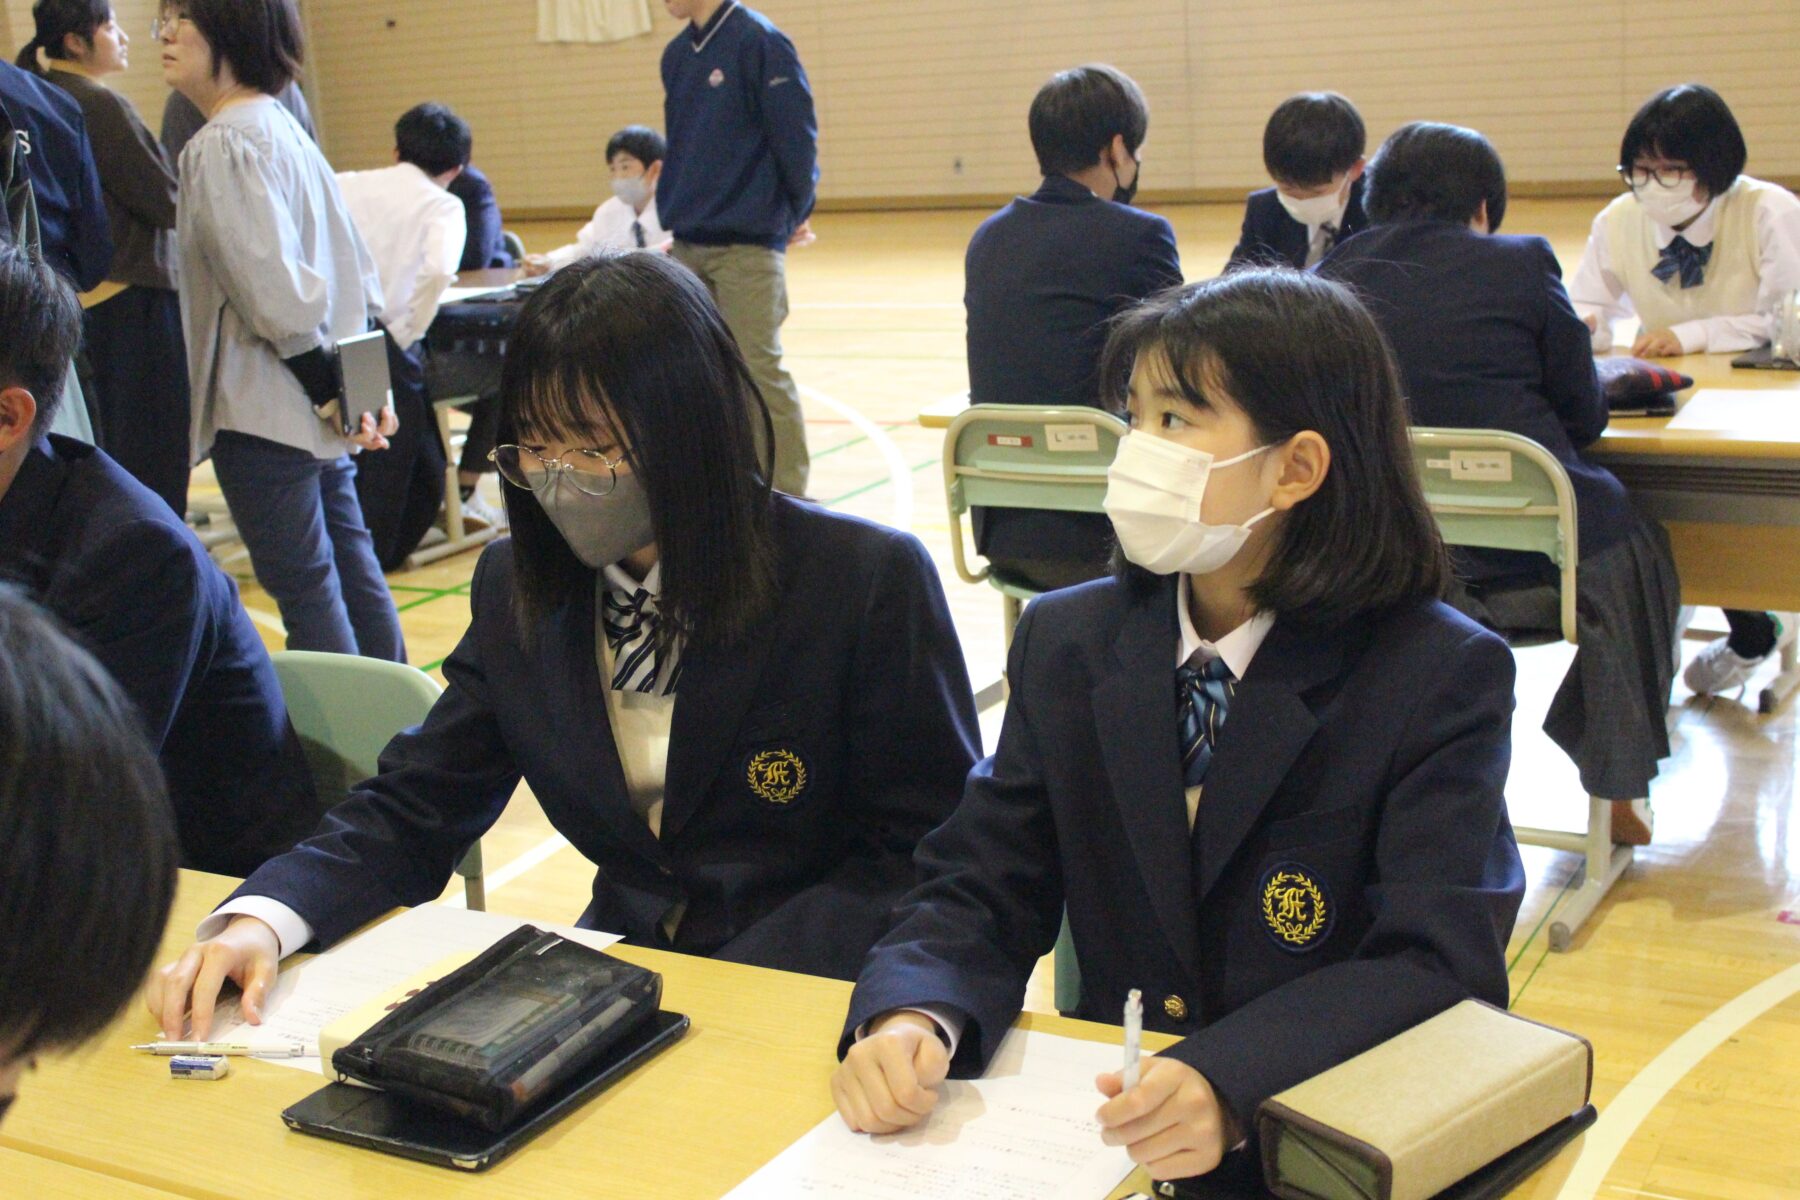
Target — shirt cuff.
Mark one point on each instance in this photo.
(1691, 335)
(948, 1021)
(291, 929)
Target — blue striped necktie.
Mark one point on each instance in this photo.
(1202, 695)
(1682, 258)
(631, 623)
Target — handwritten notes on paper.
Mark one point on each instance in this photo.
(1025, 1131)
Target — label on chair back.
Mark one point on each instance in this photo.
(1071, 439)
(1006, 439)
(1481, 466)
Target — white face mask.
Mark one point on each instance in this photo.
(635, 192)
(1316, 210)
(1669, 206)
(1154, 491)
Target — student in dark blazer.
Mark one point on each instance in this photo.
(1042, 278)
(118, 567)
(776, 714)
(1313, 150)
(485, 246)
(1262, 769)
(1486, 338)
(72, 222)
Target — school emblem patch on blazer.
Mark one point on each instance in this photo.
(777, 776)
(1296, 908)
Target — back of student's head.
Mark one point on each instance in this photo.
(640, 141)
(1312, 138)
(40, 329)
(1078, 113)
(1431, 172)
(1690, 123)
(55, 20)
(631, 348)
(262, 40)
(1296, 352)
(433, 139)
(87, 844)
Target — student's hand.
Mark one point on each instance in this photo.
(1657, 343)
(373, 434)
(535, 265)
(1170, 1122)
(247, 953)
(803, 236)
(1592, 321)
(884, 1084)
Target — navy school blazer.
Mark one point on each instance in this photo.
(804, 765)
(1352, 870)
(72, 222)
(1271, 238)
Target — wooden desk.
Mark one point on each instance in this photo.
(489, 277)
(749, 1078)
(31, 1177)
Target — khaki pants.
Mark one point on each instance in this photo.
(750, 285)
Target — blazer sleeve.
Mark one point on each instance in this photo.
(1159, 262)
(989, 900)
(1566, 349)
(91, 229)
(1250, 249)
(397, 838)
(1445, 885)
(912, 737)
(789, 123)
(485, 243)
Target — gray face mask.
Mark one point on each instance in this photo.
(601, 530)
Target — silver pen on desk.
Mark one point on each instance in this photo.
(238, 1049)
(1134, 1036)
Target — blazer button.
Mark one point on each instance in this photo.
(1176, 1007)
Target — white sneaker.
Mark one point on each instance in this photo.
(1719, 668)
(479, 511)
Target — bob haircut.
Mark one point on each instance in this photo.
(1076, 115)
(1311, 138)
(631, 347)
(261, 39)
(641, 142)
(55, 21)
(87, 841)
(1693, 124)
(1298, 352)
(1431, 172)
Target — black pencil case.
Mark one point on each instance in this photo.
(494, 1036)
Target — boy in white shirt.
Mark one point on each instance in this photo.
(626, 221)
(415, 230)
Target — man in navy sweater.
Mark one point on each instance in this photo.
(738, 186)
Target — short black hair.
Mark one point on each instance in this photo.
(261, 39)
(633, 345)
(1431, 172)
(1312, 138)
(1297, 352)
(40, 329)
(1077, 114)
(55, 20)
(640, 141)
(1691, 123)
(433, 139)
(87, 841)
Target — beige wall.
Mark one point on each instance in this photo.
(910, 89)
(142, 83)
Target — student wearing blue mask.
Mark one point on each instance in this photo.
(744, 709)
(1261, 769)
(1313, 150)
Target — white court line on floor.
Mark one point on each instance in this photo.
(899, 474)
(497, 879)
(878, 305)
(1630, 1107)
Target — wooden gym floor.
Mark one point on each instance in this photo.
(1687, 981)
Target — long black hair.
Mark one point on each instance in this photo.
(1298, 352)
(55, 20)
(632, 345)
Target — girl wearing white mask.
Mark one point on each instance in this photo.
(1701, 253)
(627, 219)
(1261, 770)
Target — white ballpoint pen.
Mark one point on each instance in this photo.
(1134, 1036)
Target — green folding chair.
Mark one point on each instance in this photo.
(346, 709)
(1024, 456)
(1502, 491)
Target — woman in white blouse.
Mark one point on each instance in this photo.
(1701, 253)
(273, 276)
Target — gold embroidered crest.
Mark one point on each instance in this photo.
(777, 776)
(1294, 907)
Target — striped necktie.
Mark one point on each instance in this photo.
(1683, 258)
(1202, 695)
(637, 232)
(631, 624)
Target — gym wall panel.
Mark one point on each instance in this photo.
(142, 83)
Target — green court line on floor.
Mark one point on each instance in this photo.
(1543, 920)
(404, 587)
(869, 487)
(436, 594)
(857, 441)
(429, 667)
(1520, 994)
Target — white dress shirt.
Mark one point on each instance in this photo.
(611, 229)
(1602, 287)
(415, 230)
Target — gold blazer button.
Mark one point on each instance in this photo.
(1176, 1007)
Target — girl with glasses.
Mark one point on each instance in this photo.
(743, 709)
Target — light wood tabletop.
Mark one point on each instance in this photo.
(33, 1177)
(748, 1079)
